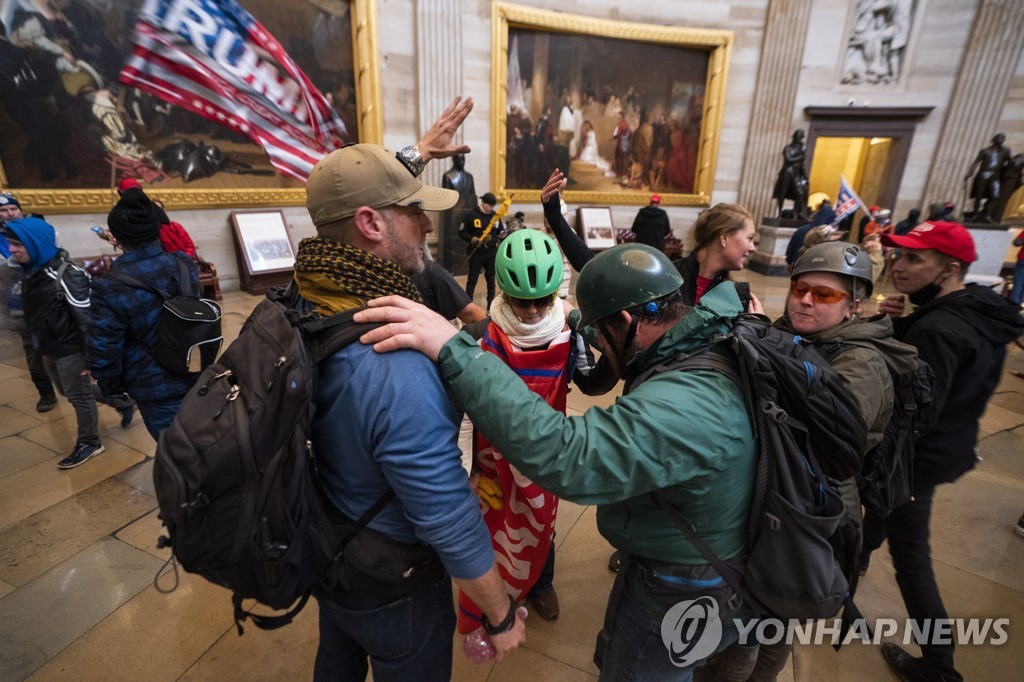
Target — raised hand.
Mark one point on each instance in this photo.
(437, 142)
(554, 186)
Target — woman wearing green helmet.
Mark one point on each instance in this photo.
(528, 329)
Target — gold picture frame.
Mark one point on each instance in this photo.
(673, 121)
(98, 198)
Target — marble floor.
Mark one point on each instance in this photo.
(78, 559)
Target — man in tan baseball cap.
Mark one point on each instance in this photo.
(385, 425)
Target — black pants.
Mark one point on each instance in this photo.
(907, 531)
(481, 259)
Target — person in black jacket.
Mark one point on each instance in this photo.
(481, 248)
(961, 331)
(55, 293)
(651, 224)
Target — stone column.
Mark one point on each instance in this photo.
(439, 59)
(439, 62)
(771, 122)
(976, 103)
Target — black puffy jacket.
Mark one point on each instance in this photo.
(57, 312)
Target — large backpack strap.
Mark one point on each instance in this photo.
(130, 281)
(730, 574)
(327, 335)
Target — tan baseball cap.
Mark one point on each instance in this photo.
(367, 175)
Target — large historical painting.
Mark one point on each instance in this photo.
(626, 110)
(876, 45)
(71, 131)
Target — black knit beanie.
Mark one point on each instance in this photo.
(134, 219)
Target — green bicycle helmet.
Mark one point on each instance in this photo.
(839, 258)
(528, 265)
(622, 278)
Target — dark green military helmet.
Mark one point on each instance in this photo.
(836, 257)
(624, 277)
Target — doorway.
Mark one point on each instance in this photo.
(867, 145)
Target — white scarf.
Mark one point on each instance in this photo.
(528, 335)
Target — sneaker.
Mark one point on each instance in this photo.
(1019, 530)
(127, 414)
(46, 403)
(546, 605)
(80, 455)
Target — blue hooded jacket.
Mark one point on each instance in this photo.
(39, 238)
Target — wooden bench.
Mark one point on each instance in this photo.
(209, 284)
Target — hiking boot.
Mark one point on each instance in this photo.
(46, 403)
(545, 605)
(127, 414)
(80, 455)
(1019, 530)
(911, 669)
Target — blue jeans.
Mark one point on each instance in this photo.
(157, 415)
(636, 650)
(545, 580)
(409, 638)
(1017, 293)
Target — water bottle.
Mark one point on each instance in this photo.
(477, 646)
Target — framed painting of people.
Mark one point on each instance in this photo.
(623, 109)
(205, 104)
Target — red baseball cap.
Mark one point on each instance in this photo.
(127, 184)
(952, 239)
(655, 198)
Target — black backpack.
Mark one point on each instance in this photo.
(802, 545)
(236, 475)
(887, 477)
(188, 333)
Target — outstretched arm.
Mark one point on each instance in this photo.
(575, 249)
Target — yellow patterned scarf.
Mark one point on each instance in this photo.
(336, 277)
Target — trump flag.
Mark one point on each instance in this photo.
(213, 58)
(847, 201)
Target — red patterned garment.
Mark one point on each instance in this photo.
(522, 530)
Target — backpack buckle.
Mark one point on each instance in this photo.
(772, 522)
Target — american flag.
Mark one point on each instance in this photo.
(847, 201)
(214, 59)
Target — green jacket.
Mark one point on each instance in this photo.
(685, 433)
(866, 368)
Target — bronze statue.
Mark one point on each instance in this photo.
(450, 247)
(991, 162)
(792, 180)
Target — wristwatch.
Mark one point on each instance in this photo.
(412, 159)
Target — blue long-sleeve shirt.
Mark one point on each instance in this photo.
(385, 421)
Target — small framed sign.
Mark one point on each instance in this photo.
(594, 224)
(266, 254)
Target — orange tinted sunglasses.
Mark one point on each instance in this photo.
(819, 294)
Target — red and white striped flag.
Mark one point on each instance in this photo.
(214, 59)
(847, 201)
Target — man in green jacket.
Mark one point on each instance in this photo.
(684, 435)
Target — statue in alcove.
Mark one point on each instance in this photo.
(792, 180)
